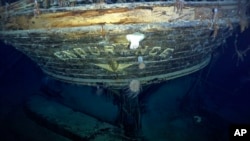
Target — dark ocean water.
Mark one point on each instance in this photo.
(218, 96)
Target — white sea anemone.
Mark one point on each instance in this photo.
(134, 88)
(135, 39)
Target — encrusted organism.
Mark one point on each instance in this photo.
(141, 63)
(135, 39)
(178, 6)
(134, 88)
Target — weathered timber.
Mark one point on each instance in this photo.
(89, 45)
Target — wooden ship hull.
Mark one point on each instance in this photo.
(112, 44)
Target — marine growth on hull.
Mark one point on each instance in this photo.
(112, 43)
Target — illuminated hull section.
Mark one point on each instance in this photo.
(94, 44)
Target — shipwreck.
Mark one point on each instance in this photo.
(112, 44)
(120, 44)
